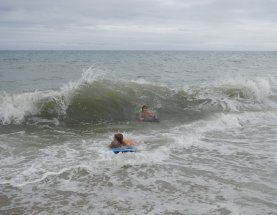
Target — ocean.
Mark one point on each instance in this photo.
(214, 150)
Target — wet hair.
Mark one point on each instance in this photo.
(143, 107)
(119, 137)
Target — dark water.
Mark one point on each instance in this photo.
(214, 151)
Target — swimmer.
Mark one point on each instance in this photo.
(147, 115)
(120, 141)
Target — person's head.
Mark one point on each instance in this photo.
(144, 108)
(118, 137)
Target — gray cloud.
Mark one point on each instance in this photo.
(139, 24)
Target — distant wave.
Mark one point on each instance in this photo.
(93, 99)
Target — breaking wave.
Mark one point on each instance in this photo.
(94, 99)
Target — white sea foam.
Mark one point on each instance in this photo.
(15, 107)
(90, 154)
(222, 161)
(239, 93)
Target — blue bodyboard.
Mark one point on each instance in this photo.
(123, 150)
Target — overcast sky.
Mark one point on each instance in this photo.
(139, 24)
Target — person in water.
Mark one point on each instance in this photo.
(120, 141)
(147, 115)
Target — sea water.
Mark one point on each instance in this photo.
(214, 150)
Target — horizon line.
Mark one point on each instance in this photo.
(184, 50)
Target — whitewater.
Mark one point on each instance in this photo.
(213, 152)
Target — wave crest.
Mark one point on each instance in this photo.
(94, 99)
